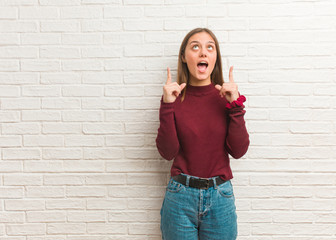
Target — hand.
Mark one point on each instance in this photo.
(171, 90)
(230, 89)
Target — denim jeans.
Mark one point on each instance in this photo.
(206, 214)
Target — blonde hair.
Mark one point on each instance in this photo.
(182, 68)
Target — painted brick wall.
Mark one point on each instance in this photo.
(81, 82)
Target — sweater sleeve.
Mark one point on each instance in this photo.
(166, 141)
(237, 139)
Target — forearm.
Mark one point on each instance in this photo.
(237, 139)
(167, 142)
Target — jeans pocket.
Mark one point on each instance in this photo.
(174, 187)
(226, 190)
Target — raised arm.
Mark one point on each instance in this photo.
(166, 141)
(237, 139)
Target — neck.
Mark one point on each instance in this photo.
(196, 82)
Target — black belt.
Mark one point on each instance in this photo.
(201, 183)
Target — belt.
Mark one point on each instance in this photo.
(201, 183)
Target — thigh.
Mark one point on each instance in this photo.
(178, 214)
(220, 221)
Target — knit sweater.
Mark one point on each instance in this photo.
(200, 132)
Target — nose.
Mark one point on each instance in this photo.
(203, 52)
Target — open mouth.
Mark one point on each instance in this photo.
(202, 66)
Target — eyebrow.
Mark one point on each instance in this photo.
(198, 42)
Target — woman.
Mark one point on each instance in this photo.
(201, 122)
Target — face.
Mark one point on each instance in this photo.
(200, 56)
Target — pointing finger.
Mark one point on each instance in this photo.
(182, 86)
(168, 76)
(231, 74)
(219, 87)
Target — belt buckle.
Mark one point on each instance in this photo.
(207, 181)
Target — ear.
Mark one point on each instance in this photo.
(183, 59)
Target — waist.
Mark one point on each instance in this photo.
(197, 182)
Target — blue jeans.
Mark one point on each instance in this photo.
(206, 214)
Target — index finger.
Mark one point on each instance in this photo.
(168, 76)
(231, 74)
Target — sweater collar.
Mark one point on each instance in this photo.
(200, 90)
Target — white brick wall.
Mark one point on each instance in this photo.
(81, 82)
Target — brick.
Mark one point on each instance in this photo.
(60, 78)
(40, 65)
(60, 153)
(11, 192)
(65, 204)
(11, 166)
(107, 228)
(81, 12)
(136, 191)
(19, 78)
(108, 179)
(83, 166)
(9, 91)
(125, 141)
(52, 52)
(103, 52)
(141, 103)
(40, 115)
(26, 229)
(145, 50)
(81, 38)
(82, 65)
(66, 228)
(12, 217)
(145, 25)
(43, 141)
(9, 65)
(125, 115)
(57, 103)
(111, 204)
(44, 192)
(134, 128)
(272, 204)
(107, 77)
(124, 91)
(24, 205)
(60, 26)
(61, 128)
(105, 25)
(82, 91)
(103, 128)
(21, 103)
(145, 228)
(22, 180)
(89, 216)
(23, 154)
(184, 23)
(41, 39)
(18, 26)
(105, 103)
(82, 116)
(43, 166)
(83, 141)
(46, 216)
(125, 64)
(62, 179)
(14, 141)
(103, 153)
(123, 37)
(316, 205)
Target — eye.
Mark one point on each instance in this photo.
(210, 47)
(195, 47)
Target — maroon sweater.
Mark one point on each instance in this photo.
(200, 132)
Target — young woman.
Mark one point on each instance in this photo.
(201, 122)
